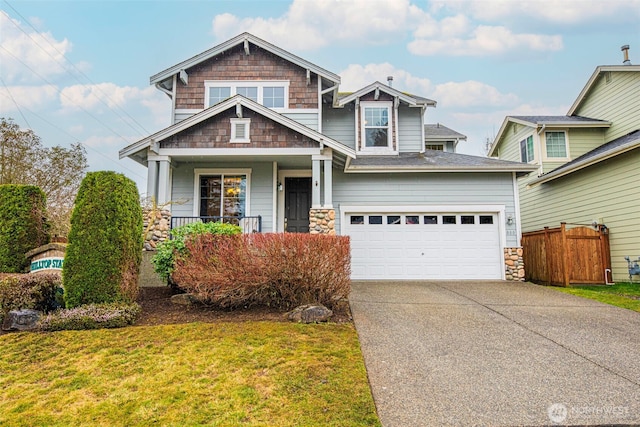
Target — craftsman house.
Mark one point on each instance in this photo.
(264, 138)
(587, 162)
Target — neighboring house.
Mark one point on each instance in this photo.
(263, 138)
(588, 162)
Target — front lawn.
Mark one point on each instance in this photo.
(625, 295)
(220, 374)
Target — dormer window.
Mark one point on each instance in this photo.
(271, 94)
(376, 129)
(556, 145)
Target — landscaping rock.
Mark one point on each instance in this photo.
(310, 314)
(21, 320)
(184, 299)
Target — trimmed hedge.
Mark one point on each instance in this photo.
(92, 316)
(32, 291)
(164, 258)
(278, 270)
(103, 256)
(23, 225)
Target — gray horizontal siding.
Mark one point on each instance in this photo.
(339, 124)
(261, 191)
(428, 189)
(410, 130)
(310, 120)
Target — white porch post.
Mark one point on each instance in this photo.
(163, 181)
(315, 183)
(328, 181)
(152, 179)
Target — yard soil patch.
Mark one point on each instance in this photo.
(157, 309)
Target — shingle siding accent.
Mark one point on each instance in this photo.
(216, 133)
(236, 65)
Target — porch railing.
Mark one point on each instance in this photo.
(249, 224)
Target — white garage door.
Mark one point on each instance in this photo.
(424, 245)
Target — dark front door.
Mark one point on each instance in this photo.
(297, 202)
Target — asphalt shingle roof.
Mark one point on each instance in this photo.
(540, 120)
(437, 130)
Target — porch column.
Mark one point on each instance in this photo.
(315, 183)
(328, 182)
(152, 179)
(163, 181)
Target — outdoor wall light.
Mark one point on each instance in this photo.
(279, 186)
(510, 220)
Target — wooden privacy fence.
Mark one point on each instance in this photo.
(561, 256)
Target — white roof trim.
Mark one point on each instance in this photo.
(525, 168)
(377, 86)
(240, 40)
(594, 77)
(550, 176)
(546, 124)
(225, 105)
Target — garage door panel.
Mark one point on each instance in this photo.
(407, 246)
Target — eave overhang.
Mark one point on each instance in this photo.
(152, 140)
(406, 98)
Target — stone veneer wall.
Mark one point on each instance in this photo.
(322, 221)
(156, 224)
(514, 265)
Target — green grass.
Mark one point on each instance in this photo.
(625, 295)
(222, 374)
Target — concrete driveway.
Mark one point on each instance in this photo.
(496, 353)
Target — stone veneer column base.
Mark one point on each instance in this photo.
(322, 221)
(513, 264)
(156, 224)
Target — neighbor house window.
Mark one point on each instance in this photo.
(437, 147)
(526, 149)
(240, 130)
(376, 125)
(556, 144)
(222, 193)
(271, 94)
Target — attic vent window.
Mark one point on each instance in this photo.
(240, 131)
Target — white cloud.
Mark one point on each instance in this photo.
(323, 22)
(25, 52)
(486, 40)
(104, 96)
(471, 94)
(29, 97)
(356, 77)
(568, 12)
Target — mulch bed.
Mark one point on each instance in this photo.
(157, 309)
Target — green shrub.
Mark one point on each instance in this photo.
(33, 291)
(23, 225)
(164, 258)
(282, 270)
(92, 316)
(103, 256)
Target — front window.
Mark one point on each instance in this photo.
(375, 127)
(271, 94)
(223, 195)
(526, 149)
(556, 144)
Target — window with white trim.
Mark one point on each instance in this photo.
(240, 130)
(556, 144)
(526, 149)
(223, 195)
(271, 94)
(376, 131)
(437, 147)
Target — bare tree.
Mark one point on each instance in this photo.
(57, 170)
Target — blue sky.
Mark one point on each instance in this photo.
(78, 71)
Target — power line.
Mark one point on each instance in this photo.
(14, 101)
(81, 143)
(144, 133)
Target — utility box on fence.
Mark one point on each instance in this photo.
(561, 256)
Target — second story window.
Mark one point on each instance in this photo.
(376, 128)
(271, 94)
(556, 145)
(526, 150)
